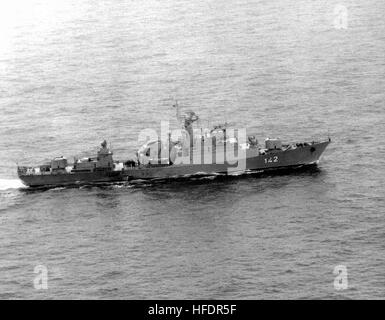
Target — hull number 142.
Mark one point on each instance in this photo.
(271, 159)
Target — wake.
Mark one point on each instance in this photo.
(6, 184)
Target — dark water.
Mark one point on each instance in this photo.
(75, 72)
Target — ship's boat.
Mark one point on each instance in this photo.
(203, 151)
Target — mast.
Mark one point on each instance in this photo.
(179, 117)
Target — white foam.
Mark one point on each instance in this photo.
(6, 184)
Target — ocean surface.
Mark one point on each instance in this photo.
(73, 73)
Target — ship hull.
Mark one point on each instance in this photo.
(271, 161)
(73, 178)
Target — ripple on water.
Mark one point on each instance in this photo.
(253, 236)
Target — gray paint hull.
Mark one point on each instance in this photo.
(273, 160)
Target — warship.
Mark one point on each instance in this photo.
(219, 150)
